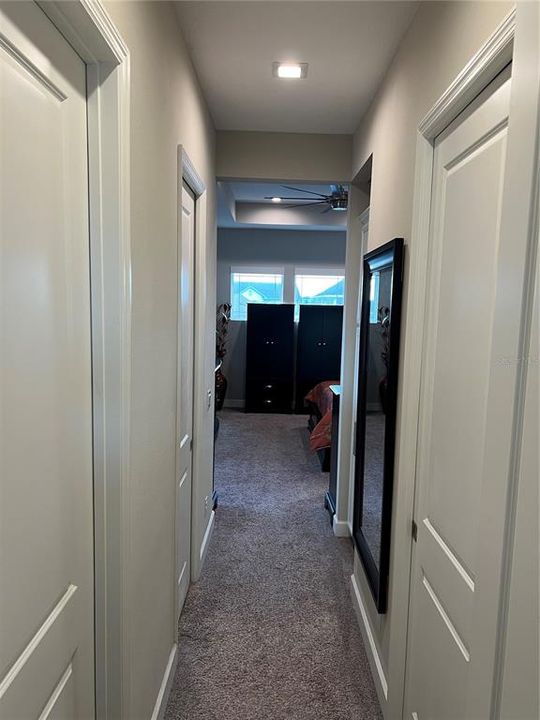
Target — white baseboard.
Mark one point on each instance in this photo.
(234, 404)
(340, 528)
(206, 539)
(166, 684)
(377, 670)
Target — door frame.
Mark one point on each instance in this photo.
(362, 228)
(182, 184)
(342, 519)
(202, 396)
(513, 41)
(88, 28)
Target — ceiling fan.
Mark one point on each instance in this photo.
(338, 199)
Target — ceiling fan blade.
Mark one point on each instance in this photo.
(304, 204)
(285, 199)
(288, 187)
(327, 210)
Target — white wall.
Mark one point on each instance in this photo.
(167, 109)
(284, 248)
(441, 40)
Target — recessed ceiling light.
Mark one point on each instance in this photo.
(289, 71)
(276, 199)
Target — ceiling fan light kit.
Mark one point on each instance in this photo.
(337, 200)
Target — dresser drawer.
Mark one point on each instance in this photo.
(268, 395)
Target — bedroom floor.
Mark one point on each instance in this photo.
(269, 632)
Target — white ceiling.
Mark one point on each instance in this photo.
(348, 46)
(244, 204)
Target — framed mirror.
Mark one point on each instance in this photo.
(376, 415)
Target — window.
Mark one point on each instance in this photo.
(374, 298)
(318, 287)
(254, 285)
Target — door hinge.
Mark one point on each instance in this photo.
(414, 531)
(354, 440)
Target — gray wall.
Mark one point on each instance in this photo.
(294, 157)
(284, 248)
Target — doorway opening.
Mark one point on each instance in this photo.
(280, 292)
(281, 289)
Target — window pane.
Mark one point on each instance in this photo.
(254, 288)
(374, 298)
(318, 290)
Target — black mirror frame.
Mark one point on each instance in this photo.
(378, 576)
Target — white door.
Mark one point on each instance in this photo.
(185, 394)
(46, 541)
(466, 420)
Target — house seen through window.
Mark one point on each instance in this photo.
(254, 287)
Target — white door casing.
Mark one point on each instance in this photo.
(186, 287)
(46, 523)
(363, 228)
(465, 420)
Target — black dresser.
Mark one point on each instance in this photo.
(318, 348)
(269, 358)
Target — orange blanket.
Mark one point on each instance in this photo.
(322, 397)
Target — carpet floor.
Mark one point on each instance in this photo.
(269, 631)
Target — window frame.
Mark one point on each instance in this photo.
(288, 273)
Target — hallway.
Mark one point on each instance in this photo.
(269, 632)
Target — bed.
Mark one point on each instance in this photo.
(319, 401)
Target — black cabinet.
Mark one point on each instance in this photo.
(269, 358)
(318, 349)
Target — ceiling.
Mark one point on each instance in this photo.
(259, 191)
(244, 204)
(348, 45)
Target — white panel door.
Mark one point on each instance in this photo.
(185, 394)
(465, 421)
(46, 534)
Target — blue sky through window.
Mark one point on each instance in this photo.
(312, 289)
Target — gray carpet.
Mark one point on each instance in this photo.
(269, 632)
(373, 482)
